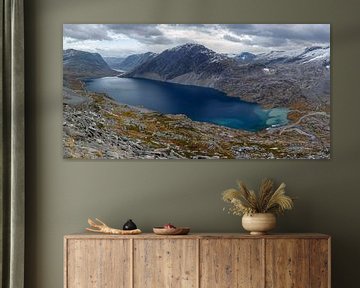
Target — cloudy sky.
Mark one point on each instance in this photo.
(124, 39)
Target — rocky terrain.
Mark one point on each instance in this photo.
(99, 128)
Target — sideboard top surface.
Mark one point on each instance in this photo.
(86, 235)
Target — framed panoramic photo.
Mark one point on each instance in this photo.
(196, 91)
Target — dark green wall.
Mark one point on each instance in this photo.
(61, 194)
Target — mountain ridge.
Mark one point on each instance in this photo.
(114, 62)
(79, 64)
(132, 61)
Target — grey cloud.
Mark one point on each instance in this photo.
(147, 34)
(144, 33)
(232, 38)
(280, 34)
(199, 27)
(86, 32)
(144, 30)
(253, 37)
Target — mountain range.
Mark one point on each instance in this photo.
(278, 78)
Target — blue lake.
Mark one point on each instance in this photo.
(198, 103)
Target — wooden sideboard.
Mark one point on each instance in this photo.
(197, 260)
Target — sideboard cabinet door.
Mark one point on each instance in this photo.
(297, 263)
(287, 263)
(231, 263)
(165, 263)
(320, 263)
(98, 263)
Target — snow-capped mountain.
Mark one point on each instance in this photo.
(314, 54)
(298, 56)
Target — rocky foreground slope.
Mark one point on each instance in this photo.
(96, 127)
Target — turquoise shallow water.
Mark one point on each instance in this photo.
(198, 103)
(277, 116)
